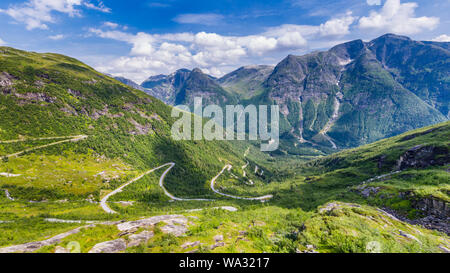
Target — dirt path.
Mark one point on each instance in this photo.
(8, 195)
(71, 139)
(55, 220)
(34, 139)
(244, 174)
(380, 177)
(10, 174)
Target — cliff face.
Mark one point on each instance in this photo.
(182, 86)
(166, 87)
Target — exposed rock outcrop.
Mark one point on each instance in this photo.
(6, 82)
(216, 245)
(176, 230)
(35, 97)
(139, 128)
(141, 238)
(335, 206)
(169, 219)
(75, 93)
(190, 244)
(432, 206)
(34, 246)
(110, 246)
(218, 238)
(423, 156)
(60, 249)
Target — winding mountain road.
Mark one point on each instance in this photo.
(228, 167)
(107, 209)
(103, 202)
(105, 206)
(161, 184)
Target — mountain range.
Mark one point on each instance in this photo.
(352, 94)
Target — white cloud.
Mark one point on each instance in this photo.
(2, 43)
(214, 53)
(399, 18)
(110, 25)
(303, 30)
(373, 2)
(113, 34)
(99, 7)
(200, 19)
(260, 44)
(337, 26)
(142, 44)
(38, 13)
(56, 37)
(442, 38)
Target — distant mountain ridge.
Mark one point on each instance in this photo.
(129, 83)
(246, 81)
(355, 93)
(164, 87)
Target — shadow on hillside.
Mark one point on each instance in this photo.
(189, 178)
(310, 194)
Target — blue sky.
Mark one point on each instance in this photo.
(137, 39)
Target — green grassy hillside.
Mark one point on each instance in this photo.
(47, 95)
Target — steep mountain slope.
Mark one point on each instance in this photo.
(423, 68)
(246, 81)
(199, 84)
(444, 45)
(375, 106)
(345, 96)
(165, 87)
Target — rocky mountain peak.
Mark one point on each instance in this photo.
(349, 50)
(197, 70)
